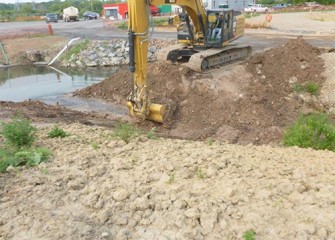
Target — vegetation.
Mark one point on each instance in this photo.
(19, 136)
(76, 49)
(315, 131)
(152, 134)
(18, 133)
(249, 235)
(57, 132)
(125, 131)
(309, 87)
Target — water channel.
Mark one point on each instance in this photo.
(54, 85)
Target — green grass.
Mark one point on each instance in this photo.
(123, 25)
(249, 235)
(125, 131)
(19, 136)
(156, 21)
(152, 134)
(57, 132)
(76, 49)
(309, 87)
(315, 131)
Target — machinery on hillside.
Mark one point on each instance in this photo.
(204, 38)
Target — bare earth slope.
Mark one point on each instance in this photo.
(169, 189)
(246, 103)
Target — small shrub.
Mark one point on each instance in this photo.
(249, 235)
(125, 131)
(18, 133)
(57, 132)
(316, 131)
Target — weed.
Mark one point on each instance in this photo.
(44, 171)
(125, 131)
(152, 134)
(310, 87)
(19, 132)
(316, 131)
(19, 136)
(249, 235)
(75, 49)
(171, 178)
(123, 25)
(210, 141)
(95, 146)
(29, 157)
(57, 132)
(200, 173)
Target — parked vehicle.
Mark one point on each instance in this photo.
(91, 15)
(70, 14)
(279, 6)
(253, 8)
(51, 17)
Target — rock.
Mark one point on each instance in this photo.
(141, 204)
(105, 235)
(120, 195)
(192, 213)
(322, 232)
(207, 222)
(10, 169)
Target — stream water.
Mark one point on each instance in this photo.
(53, 86)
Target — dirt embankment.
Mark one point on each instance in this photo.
(168, 189)
(251, 102)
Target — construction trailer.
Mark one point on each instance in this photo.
(237, 5)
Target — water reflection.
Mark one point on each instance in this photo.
(41, 82)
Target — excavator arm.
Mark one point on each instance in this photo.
(201, 49)
(138, 29)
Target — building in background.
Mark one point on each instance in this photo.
(237, 5)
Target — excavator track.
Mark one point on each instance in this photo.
(169, 53)
(214, 57)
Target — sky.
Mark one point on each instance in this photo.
(14, 1)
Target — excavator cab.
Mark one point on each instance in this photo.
(219, 29)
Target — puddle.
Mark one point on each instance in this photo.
(54, 85)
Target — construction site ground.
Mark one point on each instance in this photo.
(217, 170)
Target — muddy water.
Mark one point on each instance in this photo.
(53, 86)
(35, 82)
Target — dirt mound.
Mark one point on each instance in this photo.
(246, 103)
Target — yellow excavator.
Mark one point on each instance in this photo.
(204, 41)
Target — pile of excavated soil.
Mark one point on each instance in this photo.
(251, 102)
(168, 189)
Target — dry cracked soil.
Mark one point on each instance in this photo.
(98, 187)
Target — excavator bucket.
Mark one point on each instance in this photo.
(157, 112)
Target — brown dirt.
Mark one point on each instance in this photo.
(247, 103)
(17, 47)
(42, 113)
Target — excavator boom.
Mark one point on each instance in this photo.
(205, 35)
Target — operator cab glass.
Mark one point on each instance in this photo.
(219, 27)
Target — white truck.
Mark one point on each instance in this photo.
(70, 14)
(253, 8)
